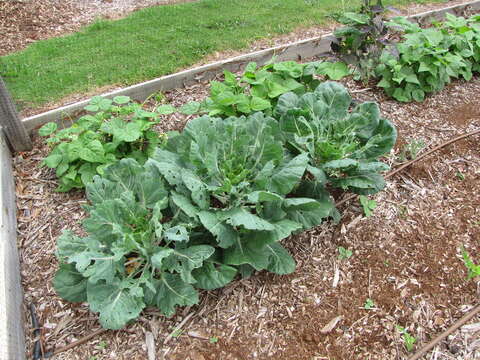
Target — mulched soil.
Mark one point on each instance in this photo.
(406, 258)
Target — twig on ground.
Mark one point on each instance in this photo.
(79, 342)
(443, 335)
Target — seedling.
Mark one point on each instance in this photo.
(177, 332)
(213, 340)
(101, 345)
(368, 205)
(369, 304)
(408, 340)
(344, 253)
(473, 269)
(460, 176)
(410, 150)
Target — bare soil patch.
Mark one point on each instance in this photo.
(406, 259)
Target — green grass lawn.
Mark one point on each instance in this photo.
(153, 42)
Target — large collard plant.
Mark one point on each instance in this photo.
(111, 130)
(233, 177)
(137, 252)
(343, 145)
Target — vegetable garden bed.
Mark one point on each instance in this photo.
(405, 258)
(356, 284)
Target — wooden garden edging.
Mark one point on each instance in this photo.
(11, 124)
(12, 343)
(303, 49)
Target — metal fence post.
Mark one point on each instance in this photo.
(10, 122)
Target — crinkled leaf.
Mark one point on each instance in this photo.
(211, 276)
(117, 303)
(70, 284)
(173, 292)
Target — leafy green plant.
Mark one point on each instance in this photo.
(369, 304)
(427, 59)
(136, 254)
(473, 269)
(363, 39)
(410, 150)
(210, 204)
(367, 205)
(213, 340)
(343, 146)
(113, 129)
(233, 176)
(258, 88)
(344, 253)
(408, 340)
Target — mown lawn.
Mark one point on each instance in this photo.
(153, 42)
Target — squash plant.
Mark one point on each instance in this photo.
(427, 59)
(112, 130)
(258, 88)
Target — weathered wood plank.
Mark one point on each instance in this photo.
(12, 343)
(14, 128)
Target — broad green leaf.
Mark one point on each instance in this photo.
(92, 152)
(259, 104)
(184, 204)
(261, 196)
(289, 175)
(70, 284)
(177, 233)
(53, 160)
(172, 292)
(335, 97)
(159, 256)
(224, 233)
(241, 217)
(211, 276)
(183, 261)
(166, 109)
(121, 99)
(117, 303)
(48, 129)
(190, 108)
(334, 71)
(281, 262)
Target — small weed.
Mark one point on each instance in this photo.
(344, 253)
(368, 205)
(402, 211)
(177, 332)
(101, 345)
(410, 150)
(473, 269)
(213, 340)
(408, 340)
(369, 304)
(460, 176)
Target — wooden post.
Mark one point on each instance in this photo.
(10, 122)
